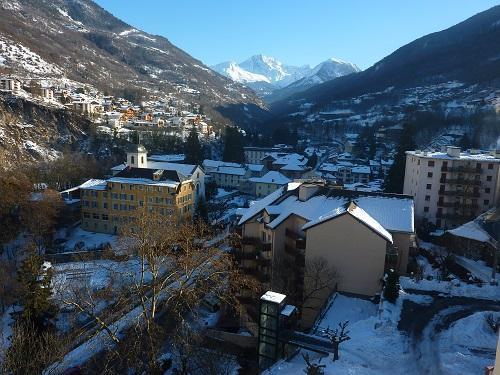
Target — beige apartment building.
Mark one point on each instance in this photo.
(357, 234)
(453, 186)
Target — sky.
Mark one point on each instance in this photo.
(296, 32)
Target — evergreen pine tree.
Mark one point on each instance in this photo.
(201, 212)
(391, 289)
(395, 178)
(35, 290)
(193, 149)
(313, 160)
(233, 146)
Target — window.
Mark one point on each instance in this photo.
(123, 207)
(131, 197)
(427, 197)
(94, 204)
(487, 190)
(115, 206)
(95, 216)
(142, 159)
(429, 187)
(489, 178)
(490, 166)
(86, 215)
(105, 217)
(122, 186)
(115, 195)
(131, 207)
(104, 195)
(123, 197)
(429, 174)
(430, 163)
(141, 203)
(105, 205)
(486, 202)
(132, 159)
(426, 209)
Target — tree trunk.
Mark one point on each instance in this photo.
(335, 352)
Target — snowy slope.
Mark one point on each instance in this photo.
(237, 73)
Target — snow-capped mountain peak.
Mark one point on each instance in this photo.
(232, 70)
(266, 74)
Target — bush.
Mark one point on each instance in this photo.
(391, 289)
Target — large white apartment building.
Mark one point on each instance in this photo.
(452, 187)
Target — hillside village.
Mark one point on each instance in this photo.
(141, 235)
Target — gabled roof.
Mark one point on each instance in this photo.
(185, 169)
(93, 184)
(355, 211)
(149, 174)
(271, 177)
(485, 228)
(394, 212)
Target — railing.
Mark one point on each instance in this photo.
(292, 234)
(461, 169)
(459, 193)
(460, 181)
(250, 240)
(458, 205)
(248, 255)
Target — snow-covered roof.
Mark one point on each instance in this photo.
(273, 297)
(357, 212)
(485, 228)
(94, 184)
(394, 213)
(214, 164)
(288, 159)
(237, 171)
(255, 167)
(119, 167)
(144, 181)
(185, 169)
(361, 169)
(293, 167)
(471, 230)
(271, 177)
(464, 155)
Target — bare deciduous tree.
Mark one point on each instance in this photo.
(31, 351)
(177, 269)
(337, 337)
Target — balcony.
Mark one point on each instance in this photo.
(293, 235)
(460, 181)
(456, 193)
(461, 169)
(266, 247)
(250, 240)
(457, 206)
(246, 255)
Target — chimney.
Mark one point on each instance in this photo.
(307, 190)
(453, 151)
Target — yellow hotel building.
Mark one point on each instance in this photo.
(107, 205)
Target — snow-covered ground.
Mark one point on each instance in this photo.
(376, 346)
(468, 346)
(90, 240)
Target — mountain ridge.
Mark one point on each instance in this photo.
(85, 43)
(267, 75)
